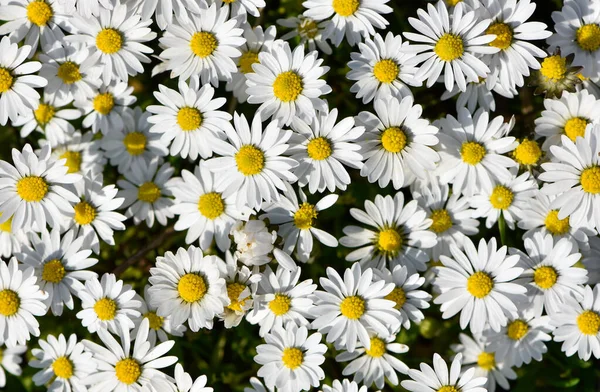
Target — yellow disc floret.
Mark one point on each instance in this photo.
(62, 367)
(545, 277)
(517, 329)
(39, 12)
(192, 287)
(85, 213)
(32, 188)
(69, 72)
(73, 160)
(250, 160)
(135, 143)
(104, 103)
(398, 296)
(109, 40)
(106, 309)
(504, 35)
(389, 241)
(128, 371)
(393, 139)
(588, 322)
(281, 304)
(154, 320)
(556, 226)
(6, 80)
(377, 348)
(308, 28)
(203, 43)
(211, 205)
(53, 271)
(292, 357)
(449, 47)
(528, 152)
(575, 127)
(353, 307)
(486, 361)
(345, 7)
(319, 148)
(288, 86)
(246, 60)
(472, 152)
(448, 388)
(303, 218)
(554, 68)
(189, 119)
(588, 37)
(148, 192)
(480, 284)
(386, 71)
(44, 113)
(441, 221)
(501, 197)
(9, 302)
(590, 179)
(234, 290)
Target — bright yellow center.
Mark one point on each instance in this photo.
(44, 113)
(135, 143)
(353, 307)
(192, 287)
(545, 277)
(590, 179)
(288, 86)
(479, 284)
(54, 271)
(389, 241)
(393, 139)
(9, 303)
(556, 226)
(6, 226)
(211, 205)
(68, 72)
(292, 357)
(398, 296)
(386, 71)
(472, 152)
(554, 68)
(303, 218)
(501, 197)
(32, 188)
(441, 221)
(246, 60)
(452, 3)
(588, 322)
(203, 44)
(528, 152)
(517, 329)
(104, 103)
(449, 388)
(308, 28)
(106, 309)
(62, 367)
(154, 320)
(377, 348)
(148, 192)
(39, 12)
(85, 213)
(128, 370)
(575, 127)
(250, 160)
(189, 119)
(449, 47)
(6, 80)
(73, 161)
(281, 304)
(588, 37)
(486, 361)
(503, 34)
(109, 40)
(345, 7)
(234, 290)
(319, 148)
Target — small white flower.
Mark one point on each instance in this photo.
(11, 362)
(476, 95)
(107, 110)
(49, 120)
(182, 383)
(81, 151)
(309, 31)
(253, 242)
(241, 282)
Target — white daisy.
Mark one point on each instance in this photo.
(50, 120)
(81, 151)
(253, 242)
(11, 241)
(108, 110)
(163, 10)
(11, 362)
(181, 383)
(108, 303)
(309, 31)
(476, 95)
(344, 386)
(399, 237)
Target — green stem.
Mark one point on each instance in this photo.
(502, 228)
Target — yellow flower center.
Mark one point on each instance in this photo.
(68, 72)
(211, 205)
(449, 47)
(234, 290)
(486, 361)
(250, 160)
(353, 307)
(590, 179)
(73, 161)
(9, 303)
(377, 348)
(62, 367)
(501, 197)
(588, 37)
(32, 188)
(472, 152)
(54, 271)
(246, 60)
(104, 103)
(281, 304)
(288, 86)
(480, 284)
(452, 3)
(345, 7)
(135, 143)
(148, 192)
(398, 296)
(44, 113)
(319, 148)
(441, 221)
(128, 370)
(39, 12)
(192, 287)
(449, 388)
(6, 226)
(229, 1)
(393, 139)
(386, 71)
(109, 40)
(154, 320)
(106, 309)
(554, 68)
(389, 241)
(545, 277)
(85, 213)
(556, 226)
(189, 119)
(504, 35)
(203, 43)
(308, 28)
(517, 329)
(292, 357)
(6, 80)
(528, 152)
(303, 218)
(588, 322)
(575, 127)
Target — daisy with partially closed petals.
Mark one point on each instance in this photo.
(241, 283)
(81, 151)
(108, 109)
(254, 242)
(308, 30)
(182, 383)
(164, 10)
(160, 327)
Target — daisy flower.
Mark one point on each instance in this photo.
(11, 362)
(163, 10)
(21, 301)
(528, 153)
(187, 287)
(11, 241)
(344, 386)
(65, 364)
(181, 383)
(351, 18)
(34, 190)
(108, 109)
(297, 222)
(189, 121)
(280, 300)
(453, 48)
(108, 304)
(556, 75)
(321, 146)
(440, 379)
(205, 45)
(17, 94)
(397, 144)
(291, 359)
(121, 369)
(479, 283)
(381, 69)
(116, 38)
(49, 120)
(287, 84)
(251, 162)
(350, 305)
(60, 265)
(145, 193)
(376, 364)
(83, 154)
(308, 30)
(471, 149)
(399, 237)
(476, 95)
(253, 242)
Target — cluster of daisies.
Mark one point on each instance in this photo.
(241, 186)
